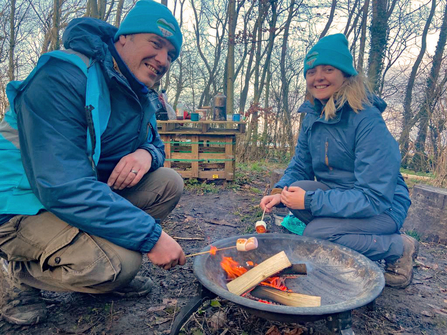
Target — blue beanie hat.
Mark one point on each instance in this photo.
(152, 17)
(331, 50)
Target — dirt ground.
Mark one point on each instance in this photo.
(207, 213)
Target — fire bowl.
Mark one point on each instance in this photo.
(343, 278)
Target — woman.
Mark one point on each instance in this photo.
(359, 198)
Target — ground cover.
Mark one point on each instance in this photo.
(209, 212)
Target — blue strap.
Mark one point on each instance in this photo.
(14, 87)
(98, 101)
(97, 95)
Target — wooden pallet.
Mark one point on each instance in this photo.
(201, 156)
(201, 127)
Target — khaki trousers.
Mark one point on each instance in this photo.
(47, 253)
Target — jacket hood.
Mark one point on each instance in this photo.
(308, 107)
(377, 102)
(89, 36)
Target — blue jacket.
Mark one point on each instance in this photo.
(52, 125)
(357, 157)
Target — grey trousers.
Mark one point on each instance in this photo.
(47, 253)
(375, 237)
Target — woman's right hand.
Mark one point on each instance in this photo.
(270, 201)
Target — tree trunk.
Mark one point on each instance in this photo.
(119, 12)
(12, 41)
(330, 19)
(230, 57)
(284, 81)
(363, 37)
(379, 27)
(419, 161)
(55, 41)
(407, 113)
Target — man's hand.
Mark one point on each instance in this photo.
(293, 197)
(270, 201)
(130, 169)
(167, 253)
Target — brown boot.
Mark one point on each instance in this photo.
(399, 273)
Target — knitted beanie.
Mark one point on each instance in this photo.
(152, 17)
(331, 50)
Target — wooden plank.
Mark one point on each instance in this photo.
(229, 152)
(200, 156)
(166, 139)
(253, 277)
(195, 155)
(286, 298)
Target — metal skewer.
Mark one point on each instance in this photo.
(207, 252)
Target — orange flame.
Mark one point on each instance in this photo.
(234, 270)
(213, 250)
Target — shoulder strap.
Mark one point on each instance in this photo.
(97, 95)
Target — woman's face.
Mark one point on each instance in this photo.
(323, 81)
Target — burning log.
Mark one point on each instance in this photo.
(286, 298)
(253, 277)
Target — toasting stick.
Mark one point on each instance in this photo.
(242, 244)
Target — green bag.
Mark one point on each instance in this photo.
(293, 224)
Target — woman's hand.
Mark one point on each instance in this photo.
(130, 169)
(270, 201)
(293, 197)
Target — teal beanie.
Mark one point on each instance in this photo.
(152, 17)
(331, 50)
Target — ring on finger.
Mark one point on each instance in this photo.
(134, 171)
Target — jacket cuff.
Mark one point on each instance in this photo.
(153, 239)
(276, 190)
(308, 199)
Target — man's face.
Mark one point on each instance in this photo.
(147, 55)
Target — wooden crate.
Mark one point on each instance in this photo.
(201, 156)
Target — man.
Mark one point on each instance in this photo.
(83, 200)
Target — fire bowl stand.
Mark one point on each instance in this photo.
(338, 323)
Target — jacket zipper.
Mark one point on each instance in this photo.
(326, 157)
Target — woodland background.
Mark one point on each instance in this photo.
(253, 50)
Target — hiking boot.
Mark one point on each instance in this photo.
(24, 307)
(399, 273)
(138, 287)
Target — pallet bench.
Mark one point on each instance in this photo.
(201, 149)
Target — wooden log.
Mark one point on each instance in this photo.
(286, 298)
(253, 277)
(295, 269)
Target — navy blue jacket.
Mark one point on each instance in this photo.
(53, 128)
(357, 157)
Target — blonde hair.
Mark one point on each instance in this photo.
(354, 91)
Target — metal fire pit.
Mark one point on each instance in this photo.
(343, 278)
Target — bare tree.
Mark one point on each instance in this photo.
(407, 122)
(379, 40)
(419, 162)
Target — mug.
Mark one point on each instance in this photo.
(195, 117)
(236, 117)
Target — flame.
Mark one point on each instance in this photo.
(234, 270)
(213, 250)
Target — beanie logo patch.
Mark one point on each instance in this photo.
(311, 58)
(166, 28)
